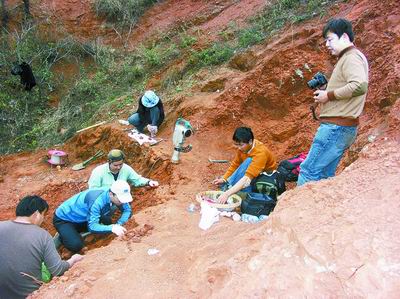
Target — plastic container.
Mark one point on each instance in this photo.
(253, 219)
(191, 208)
(250, 218)
(233, 202)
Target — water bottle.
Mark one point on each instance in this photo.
(250, 218)
(191, 208)
(262, 217)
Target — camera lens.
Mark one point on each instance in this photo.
(313, 83)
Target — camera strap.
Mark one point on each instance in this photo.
(312, 108)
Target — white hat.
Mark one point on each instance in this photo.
(150, 99)
(122, 190)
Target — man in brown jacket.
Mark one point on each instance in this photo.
(341, 104)
(252, 158)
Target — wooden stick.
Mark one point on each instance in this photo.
(217, 161)
(93, 126)
(33, 278)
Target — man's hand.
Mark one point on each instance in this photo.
(321, 96)
(118, 230)
(153, 130)
(223, 198)
(153, 184)
(218, 181)
(73, 259)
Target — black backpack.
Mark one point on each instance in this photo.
(257, 204)
(270, 184)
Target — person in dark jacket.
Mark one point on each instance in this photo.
(24, 70)
(150, 113)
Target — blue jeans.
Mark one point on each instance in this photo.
(327, 149)
(141, 122)
(237, 175)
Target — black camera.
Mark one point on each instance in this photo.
(317, 81)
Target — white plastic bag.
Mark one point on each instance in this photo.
(209, 216)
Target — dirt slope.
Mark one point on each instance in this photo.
(335, 238)
(323, 240)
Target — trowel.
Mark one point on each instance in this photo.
(85, 163)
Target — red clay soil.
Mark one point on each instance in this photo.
(334, 238)
(79, 18)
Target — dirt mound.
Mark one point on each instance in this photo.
(348, 250)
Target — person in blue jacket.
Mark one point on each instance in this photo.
(91, 210)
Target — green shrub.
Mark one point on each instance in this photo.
(158, 55)
(216, 54)
(250, 36)
(122, 12)
(21, 110)
(186, 41)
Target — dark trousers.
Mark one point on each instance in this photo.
(69, 232)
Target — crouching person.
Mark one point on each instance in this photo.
(251, 159)
(150, 113)
(91, 210)
(24, 247)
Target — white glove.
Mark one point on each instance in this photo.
(118, 230)
(153, 183)
(153, 130)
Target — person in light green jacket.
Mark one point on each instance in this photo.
(115, 169)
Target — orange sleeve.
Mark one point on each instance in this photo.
(234, 165)
(262, 160)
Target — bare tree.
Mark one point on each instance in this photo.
(26, 8)
(4, 14)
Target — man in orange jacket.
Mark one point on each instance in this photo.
(252, 158)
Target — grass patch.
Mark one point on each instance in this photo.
(122, 12)
(276, 16)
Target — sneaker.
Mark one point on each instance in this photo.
(123, 122)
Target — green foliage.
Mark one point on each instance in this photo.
(186, 41)
(277, 15)
(122, 12)
(250, 36)
(21, 109)
(157, 55)
(216, 54)
(101, 91)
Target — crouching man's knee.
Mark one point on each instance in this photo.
(74, 245)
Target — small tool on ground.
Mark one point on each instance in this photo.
(217, 161)
(83, 164)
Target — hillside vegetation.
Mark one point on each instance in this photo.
(108, 77)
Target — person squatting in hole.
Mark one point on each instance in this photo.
(106, 174)
(24, 247)
(150, 113)
(91, 210)
(251, 159)
(341, 104)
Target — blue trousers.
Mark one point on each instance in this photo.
(140, 123)
(69, 232)
(327, 149)
(237, 175)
